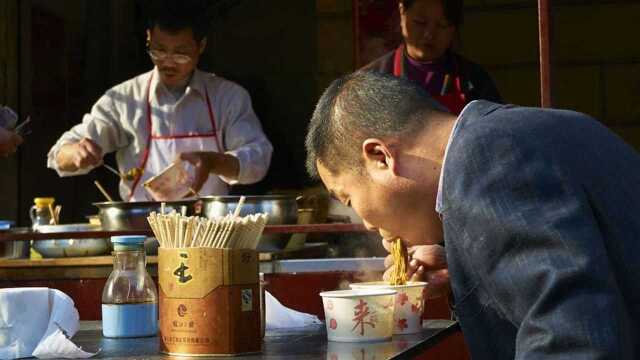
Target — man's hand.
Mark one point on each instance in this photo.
(209, 162)
(80, 155)
(9, 142)
(426, 263)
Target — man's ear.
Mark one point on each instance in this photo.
(378, 156)
(203, 45)
(148, 37)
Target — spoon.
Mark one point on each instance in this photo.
(130, 175)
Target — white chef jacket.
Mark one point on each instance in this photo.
(118, 122)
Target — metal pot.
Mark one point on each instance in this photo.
(70, 247)
(282, 209)
(120, 215)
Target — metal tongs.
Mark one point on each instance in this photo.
(8, 120)
(21, 129)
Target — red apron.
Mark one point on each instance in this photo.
(166, 148)
(453, 100)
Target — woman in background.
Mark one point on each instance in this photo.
(425, 56)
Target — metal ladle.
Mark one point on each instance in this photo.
(130, 175)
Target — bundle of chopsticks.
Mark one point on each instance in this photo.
(175, 230)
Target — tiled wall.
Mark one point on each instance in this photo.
(597, 55)
(269, 48)
(335, 41)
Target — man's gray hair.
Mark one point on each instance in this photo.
(359, 106)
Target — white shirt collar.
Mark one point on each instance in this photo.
(196, 84)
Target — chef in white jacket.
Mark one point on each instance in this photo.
(174, 110)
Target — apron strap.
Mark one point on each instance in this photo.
(398, 61)
(212, 118)
(145, 155)
(458, 81)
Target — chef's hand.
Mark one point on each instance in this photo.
(80, 155)
(209, 162)
(426, 263)
(9, 142)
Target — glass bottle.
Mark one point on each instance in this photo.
(40, 212)
(129, 298)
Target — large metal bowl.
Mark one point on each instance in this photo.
(70, 247)
(120, 215)
(282, 209)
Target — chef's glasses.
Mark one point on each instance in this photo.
(160, 56)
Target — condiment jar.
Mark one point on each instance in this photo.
(40, 212)
(129, 298)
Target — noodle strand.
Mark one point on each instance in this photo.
(399, 273)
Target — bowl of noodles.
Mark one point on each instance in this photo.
(410, 295)
(362, 315)
(409, 303)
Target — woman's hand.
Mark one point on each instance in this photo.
(426, 263)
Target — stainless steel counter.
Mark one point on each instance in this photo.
(322, 265)
(304, 343)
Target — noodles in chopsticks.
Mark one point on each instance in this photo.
(399, 253)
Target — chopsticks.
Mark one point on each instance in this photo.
(231, 231)
(18, 129)
(102, 190)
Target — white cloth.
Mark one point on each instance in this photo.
(118, 122)
(37, 322)
(278, 316)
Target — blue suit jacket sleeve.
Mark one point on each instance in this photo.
(524, 242)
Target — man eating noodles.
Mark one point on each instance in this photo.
(537, 210)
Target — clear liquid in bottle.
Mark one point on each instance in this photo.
(129, 298)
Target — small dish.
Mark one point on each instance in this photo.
(172, 183)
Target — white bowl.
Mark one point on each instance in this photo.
(359, 315)
(409, 304)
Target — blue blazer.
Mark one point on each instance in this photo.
(541, 217)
